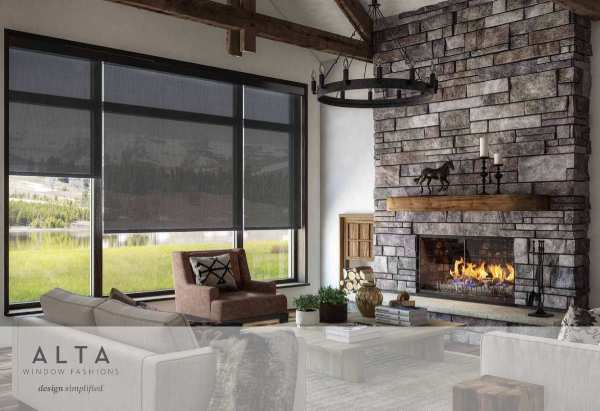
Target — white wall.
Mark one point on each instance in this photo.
(107, 24)
(594, 167)
(347, 173)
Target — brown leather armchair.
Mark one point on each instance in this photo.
(254, 301)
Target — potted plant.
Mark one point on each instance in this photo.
(334, 305)
(307, 310)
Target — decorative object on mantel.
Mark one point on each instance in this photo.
(390, 86)
(539, 280)
(498, 164)
(368, 296)
(440, 173)
(500, 202)
(484, 157)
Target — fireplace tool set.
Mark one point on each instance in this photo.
(538, 290)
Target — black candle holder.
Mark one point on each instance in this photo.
(484, 174)
(498, 176)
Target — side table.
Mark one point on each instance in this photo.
(490, 393)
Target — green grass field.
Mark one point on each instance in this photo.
(35, 270)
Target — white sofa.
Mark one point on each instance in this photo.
(145, 381)
(569, 372)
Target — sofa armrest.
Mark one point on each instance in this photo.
(195, 299)
(266, 287)
(179, 381)
(568, 371)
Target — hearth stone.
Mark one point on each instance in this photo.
(519, 74)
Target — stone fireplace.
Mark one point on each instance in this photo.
(514, 70)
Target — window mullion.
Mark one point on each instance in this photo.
(96, 206)
(238, 158)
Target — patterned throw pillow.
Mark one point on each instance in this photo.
(214, 271)
(581, 326)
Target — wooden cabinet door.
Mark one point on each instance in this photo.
(356, 239)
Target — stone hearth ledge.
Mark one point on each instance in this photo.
(505, 313)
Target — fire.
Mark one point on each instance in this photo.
(483, 272)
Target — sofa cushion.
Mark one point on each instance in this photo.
(581, 326)
(66, 308)
(244, 304)
(214, 271)
(156, 331)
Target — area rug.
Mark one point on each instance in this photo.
(393, 382)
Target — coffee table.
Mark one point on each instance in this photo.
(348, 361)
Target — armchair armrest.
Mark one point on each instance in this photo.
(195, 299)
(266, 287)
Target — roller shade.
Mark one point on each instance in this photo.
(50, 114)
(271, 135)
(168, 152)
(166, 175)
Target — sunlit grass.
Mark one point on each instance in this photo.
(36, 269)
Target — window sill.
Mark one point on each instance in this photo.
(292, 285)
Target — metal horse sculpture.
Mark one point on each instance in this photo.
(440, 173)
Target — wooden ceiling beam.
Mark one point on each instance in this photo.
(234, 36)
(237, 18)
(589, 8)
(249, 36)
(358, 17)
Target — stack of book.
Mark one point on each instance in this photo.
(405, 316)
(351, 333)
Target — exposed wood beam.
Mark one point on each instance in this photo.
(234, 36)
(227, 17)
(589, 8)
(249, 36)
(359, 18)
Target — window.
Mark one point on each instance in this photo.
(142, 262)
(270, 253)
(115, 160)
(49, 236)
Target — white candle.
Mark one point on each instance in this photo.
(483, 146)
(497, 159)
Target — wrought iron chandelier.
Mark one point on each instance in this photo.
(404, 91)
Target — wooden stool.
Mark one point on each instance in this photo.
(489, 393)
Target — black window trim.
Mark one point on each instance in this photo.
(99, 55)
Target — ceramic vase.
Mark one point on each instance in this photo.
(367, 298)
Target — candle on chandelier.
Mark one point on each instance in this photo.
(483, 146)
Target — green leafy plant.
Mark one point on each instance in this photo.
(332, 296)
(307, 302)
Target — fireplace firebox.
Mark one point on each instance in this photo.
(465, 268)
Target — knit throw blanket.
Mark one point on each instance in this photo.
(255, 372)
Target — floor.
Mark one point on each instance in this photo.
(394, 383)
(7, 401)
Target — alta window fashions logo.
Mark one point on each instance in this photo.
(76, 360)
(40, 356)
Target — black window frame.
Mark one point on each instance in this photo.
(100, 55)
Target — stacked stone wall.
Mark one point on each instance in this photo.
(517, 71)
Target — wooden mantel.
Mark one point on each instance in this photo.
(497, 202)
